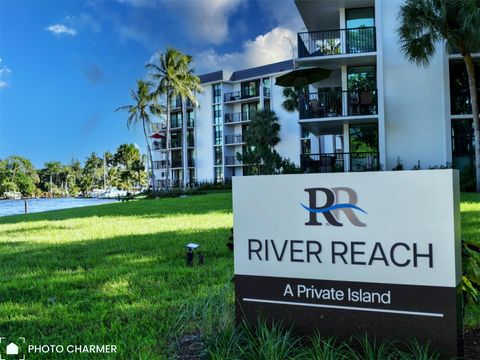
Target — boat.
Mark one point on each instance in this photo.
(12, 195)
(96, 193)
(113, 193)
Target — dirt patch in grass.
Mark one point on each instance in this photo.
(190, 347)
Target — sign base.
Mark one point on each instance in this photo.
(344, 309)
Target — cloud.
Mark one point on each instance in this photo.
(93, 73)
(83, 21)
(204, 21)
(60, 29)
(207, 20)
(282, 13)
(274, 46)
(131, 32)
(4, 74)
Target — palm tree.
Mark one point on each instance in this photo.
(426, 22)
(53, 169)
(144, 106)
(174, 77)
(261, 137)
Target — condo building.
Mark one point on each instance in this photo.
(375, 109)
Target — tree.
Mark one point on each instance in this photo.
(425, 23)
(53, 169)
(290, 104)
(92, 172)
(259, 156)
(131, 166)
(174, 77)
(18, 174)
(144, 106)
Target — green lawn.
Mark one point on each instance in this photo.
(116, 274)
(111, 274)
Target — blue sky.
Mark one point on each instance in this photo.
(66, 65)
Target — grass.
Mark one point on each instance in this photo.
(111, 274)
(116, 274)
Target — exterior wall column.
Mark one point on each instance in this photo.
(344, 73)
(346, 147)
(343, 35)
(184, 143)
(380, 87)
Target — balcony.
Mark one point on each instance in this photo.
(340, 162)
(232, 118)
(232, 161)
(177, 104)
(241, 95)
(178, 123)
(336, 103)
(233, 139)
(336, 42)
(178, 164)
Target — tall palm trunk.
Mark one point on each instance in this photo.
(476, 121)
(149, 155)
(184, 143)
(167, 145)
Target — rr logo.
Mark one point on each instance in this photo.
(332, 208)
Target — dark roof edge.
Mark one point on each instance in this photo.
(248, 73)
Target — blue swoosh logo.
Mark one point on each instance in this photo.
(334, 207)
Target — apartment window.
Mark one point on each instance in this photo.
(218, 158)
(248, 110)
(364, 138)
(190, 118)
(306, 146)
(191, 175)
(361, 78)
(459, 91)
(362, 17)
(217, 135)
(360, 33)
(463, 151)
(245, 130)
(177, 102)
(362, 95)
(190, 138)
(305, 133)
(250, 88)
(191, 158)
(176, 139)
(217, 93)
(156, 165)
(217, 114)
(266, 104)
(218, 174)
(176, 120)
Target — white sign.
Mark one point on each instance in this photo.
(382, 227)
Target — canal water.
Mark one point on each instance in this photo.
(12, 207)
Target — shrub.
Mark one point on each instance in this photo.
(467, 179)
(471, 272)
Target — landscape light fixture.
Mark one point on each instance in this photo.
(189, 257)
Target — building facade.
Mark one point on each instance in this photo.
(375, 110)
